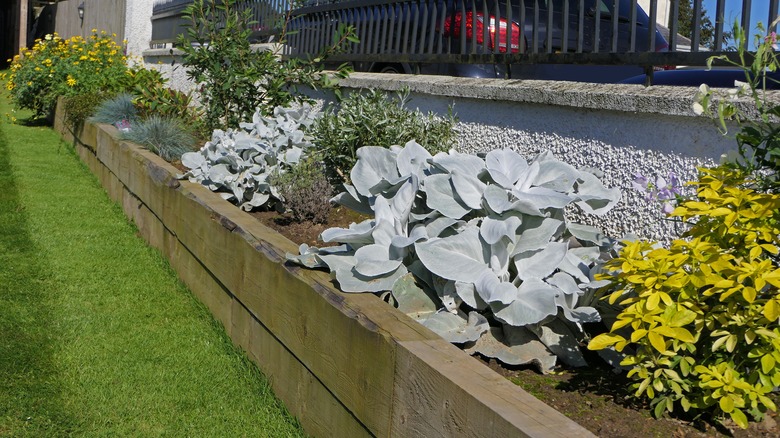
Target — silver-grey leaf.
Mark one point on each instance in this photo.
(535, 301)
(560, 340)
(518, 347)
(455, 329)
(461, 257)
(441, 197)
(540, 264)
(374, 260)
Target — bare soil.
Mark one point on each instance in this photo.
(594, 397)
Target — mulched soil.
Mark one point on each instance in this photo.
(594, 397)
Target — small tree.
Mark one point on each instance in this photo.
(234, 79)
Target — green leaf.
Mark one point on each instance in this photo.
(604, 340)
(726, 404)
(657, 341)
(739, 417)
(767, 363)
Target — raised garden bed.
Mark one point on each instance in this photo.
(344, 364)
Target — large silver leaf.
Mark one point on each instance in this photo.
(542, 198)
(560, 340)
(581, 314)
(575, 266)
(402, 202)
(556, 175)
(374, 260)
(454, 328)
(412, 300)
(412, 159)
(505, 166)
(441, 196)
(356, 233)
(337, 260)
(461, 257)
(535, 301)
(492, 290)
(418, 233)
(353, 200)
(497, 198)
(352, 281)
(493, 230)
(536, 232)
(374, 164)
(587, 233)
(540, 264)
(220, 173)
(468, 293)
(518, 347)
(566, 283)
(192, 160)
(466, 164)
(527, 178)
(435, 227)
(593, 197)
(468, 188)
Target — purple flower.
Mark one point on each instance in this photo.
(660, 190)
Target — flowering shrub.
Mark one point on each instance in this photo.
(65, 67)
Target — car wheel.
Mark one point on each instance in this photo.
(390, 68)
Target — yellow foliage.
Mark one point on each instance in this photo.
(707, 308)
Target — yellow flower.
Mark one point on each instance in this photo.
(71, 82)
(94, 30)
(83, 58)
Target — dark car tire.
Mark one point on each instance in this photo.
(389, 68)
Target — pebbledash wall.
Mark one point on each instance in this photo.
(621, 130)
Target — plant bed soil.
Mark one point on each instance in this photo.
(594, 397)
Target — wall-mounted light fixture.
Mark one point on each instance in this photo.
(81, 12)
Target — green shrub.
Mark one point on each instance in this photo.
(80, 107)
(374, 119)
(166, 137)
(234, 80)
(65, 67)
(116, 109)
(305, 190)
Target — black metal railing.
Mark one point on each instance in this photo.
(502, 32)
(168, 21)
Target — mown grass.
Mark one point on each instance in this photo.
(97, 335)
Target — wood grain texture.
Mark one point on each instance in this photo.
(442, 393)
(306, 397)
(345, 364)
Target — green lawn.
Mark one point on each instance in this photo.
(97, 335)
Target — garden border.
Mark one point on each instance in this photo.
(343, 364)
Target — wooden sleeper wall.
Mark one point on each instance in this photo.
(344, 364)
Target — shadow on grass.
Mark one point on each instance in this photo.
(30, 392)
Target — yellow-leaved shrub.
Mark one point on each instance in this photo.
(700, 320)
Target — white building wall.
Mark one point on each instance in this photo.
(662, 15)
(138, 27)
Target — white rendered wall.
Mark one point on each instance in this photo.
(138, 27)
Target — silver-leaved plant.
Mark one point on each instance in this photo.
(477, 249)
(240, 163)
